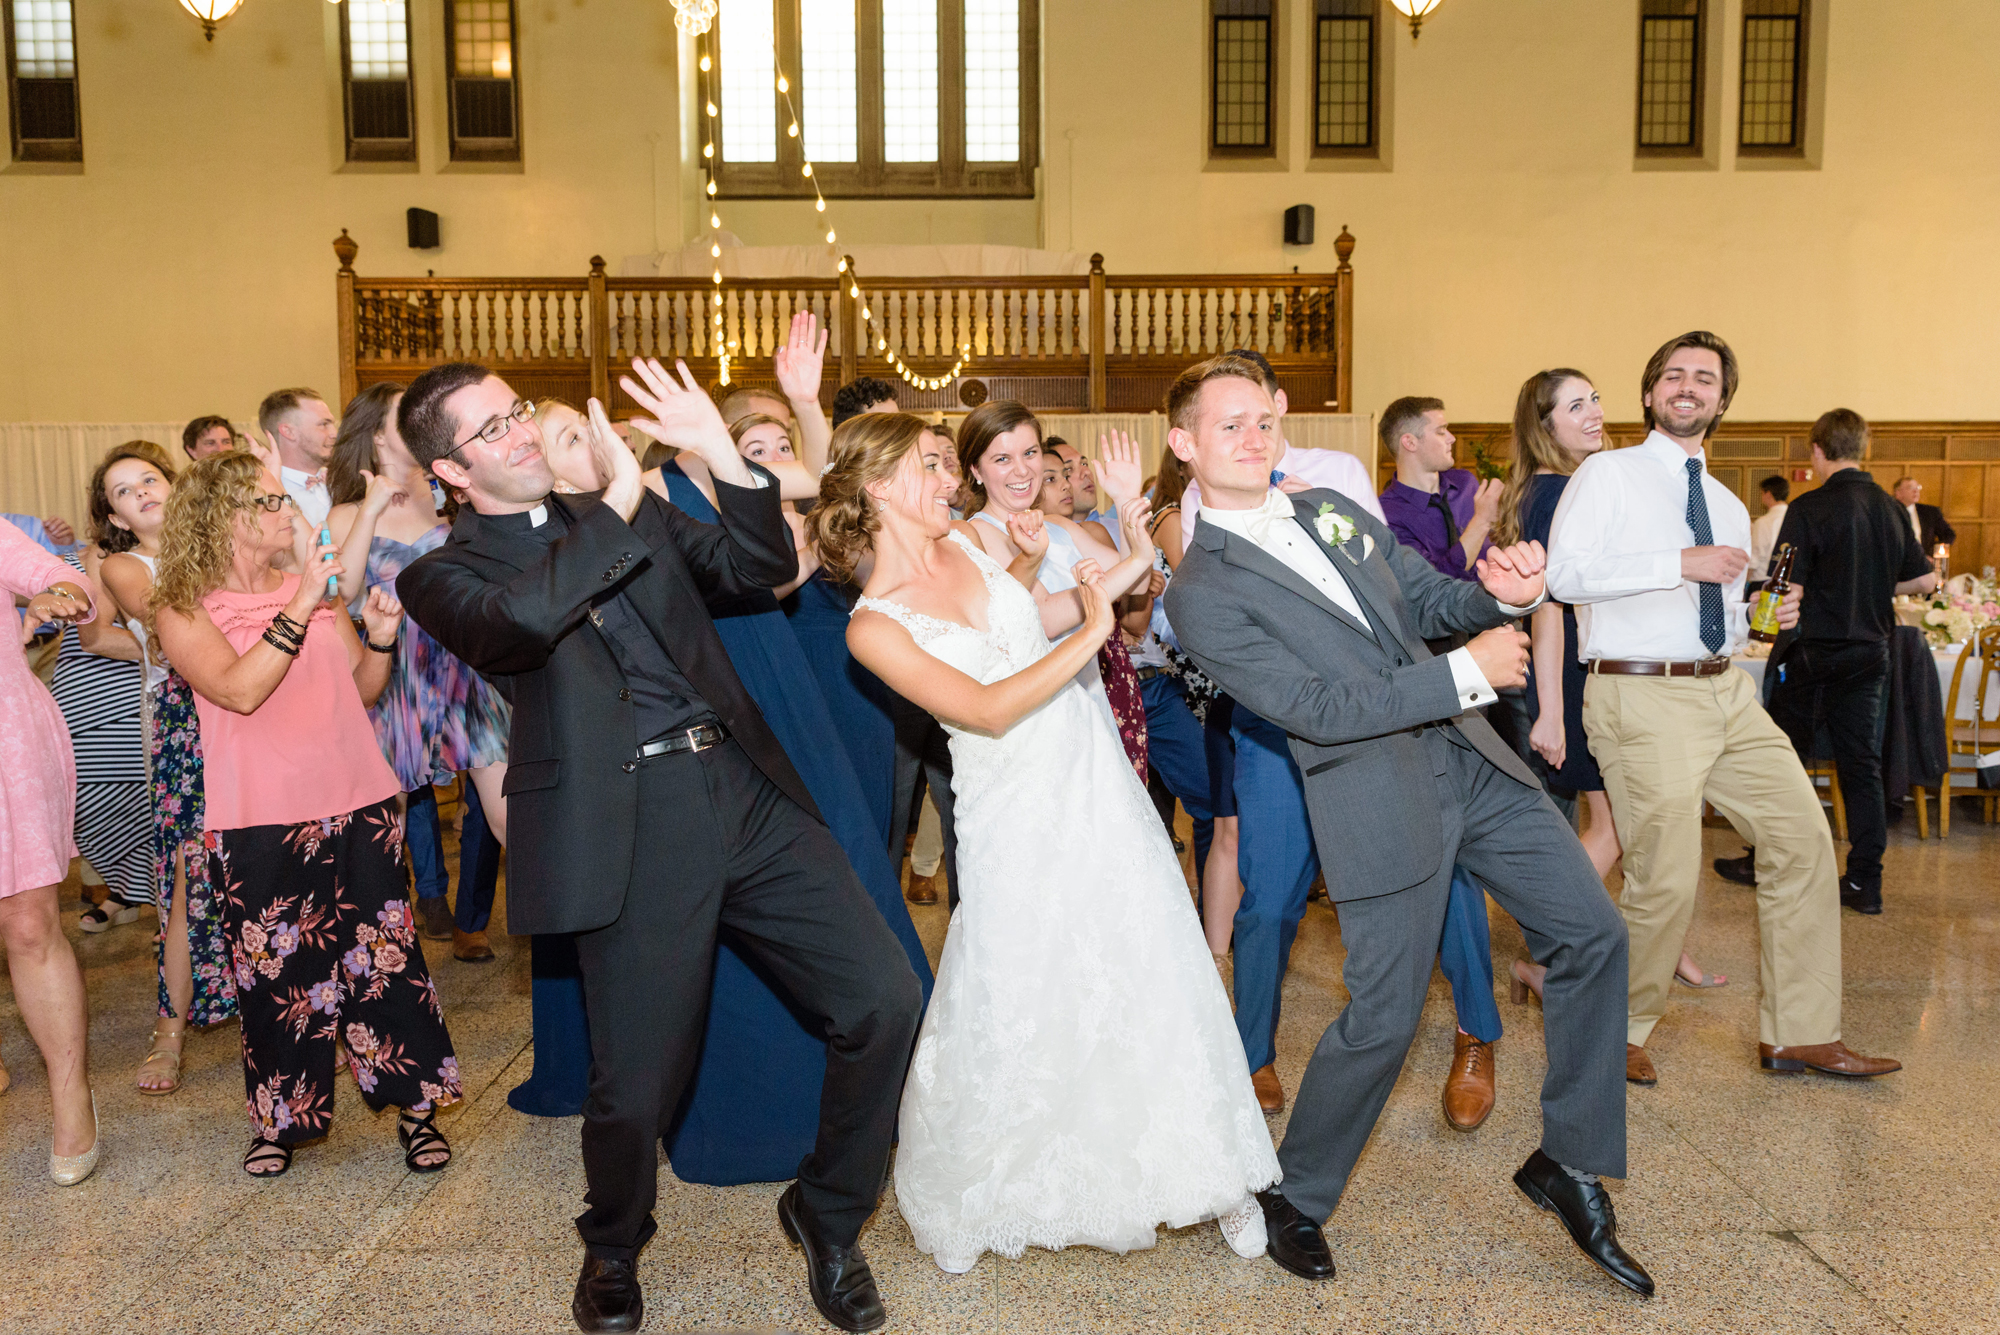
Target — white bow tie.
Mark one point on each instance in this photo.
(1268, 522)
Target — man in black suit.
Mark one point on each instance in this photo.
(1927, 520)
(650, 805)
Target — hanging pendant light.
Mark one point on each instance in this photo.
(693, 17)
(211, 13)
(1416, 11)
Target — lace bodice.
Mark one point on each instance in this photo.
(1012, 640)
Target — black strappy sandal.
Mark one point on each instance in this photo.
(267, 1151)
(421, 1136)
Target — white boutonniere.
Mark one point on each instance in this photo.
(1334, 528)
(1337, 530)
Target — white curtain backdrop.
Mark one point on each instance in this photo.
(1352, 432)
(45, 466)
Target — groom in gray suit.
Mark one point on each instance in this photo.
(1306, 609)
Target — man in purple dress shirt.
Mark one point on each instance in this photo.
(1445, 514)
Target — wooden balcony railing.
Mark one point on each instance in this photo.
(1093, 342)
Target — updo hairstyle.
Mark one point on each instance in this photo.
(866, 449)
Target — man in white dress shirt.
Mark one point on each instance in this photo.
(1652, 551)
(1764, 528)
(302, 427)
(1276, 857)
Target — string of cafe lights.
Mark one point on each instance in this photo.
(691, 19)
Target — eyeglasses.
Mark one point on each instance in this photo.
(270, 504)
(496, 427)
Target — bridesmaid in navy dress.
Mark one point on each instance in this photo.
(752, 1111)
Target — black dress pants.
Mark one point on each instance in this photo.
(1839, 686)
(720, 848)
(923, 759)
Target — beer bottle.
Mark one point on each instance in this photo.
(1764, 617)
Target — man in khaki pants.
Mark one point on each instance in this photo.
(1652, 551)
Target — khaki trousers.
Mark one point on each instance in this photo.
(1666, 743)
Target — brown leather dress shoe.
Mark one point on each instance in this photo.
(923, 889)
(1270, 1094)
(1826, 1058)
(470, 947)
(1468, 1090)
(1639, 1067)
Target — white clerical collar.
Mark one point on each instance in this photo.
(538, 516)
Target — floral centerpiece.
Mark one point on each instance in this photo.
(1958, 610)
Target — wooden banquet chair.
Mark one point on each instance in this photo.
(1971, 740)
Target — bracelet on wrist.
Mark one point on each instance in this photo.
(388, 648)
(288, 650)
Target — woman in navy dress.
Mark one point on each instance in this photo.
(752, 1110)
(1558, 423)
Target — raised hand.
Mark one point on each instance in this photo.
(1156, 583)
(1030, 534)
(1513, 575)
(322, 564)
(383, 492)
(265, 448)
(1788, 606)
(1132, 515)
(1119, 475)
(58, 529)
(382, 615)
(1097, 615)
(684, 416)
(614, 461)
(802, 360)
(1486, 499)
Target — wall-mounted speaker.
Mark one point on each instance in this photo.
(424, 228)
(1298, 225)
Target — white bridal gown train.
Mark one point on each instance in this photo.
(1078, 1078)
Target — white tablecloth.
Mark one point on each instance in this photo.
(1946, 660)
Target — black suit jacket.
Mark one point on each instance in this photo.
(517, 611)
(1932, 527)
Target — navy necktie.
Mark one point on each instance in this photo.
(1704, 536)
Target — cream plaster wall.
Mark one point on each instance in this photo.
(186, 269)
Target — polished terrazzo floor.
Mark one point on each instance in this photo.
(1760, 1203)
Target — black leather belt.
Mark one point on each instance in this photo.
(1647, 667)
(698, 738)
(1147, 673)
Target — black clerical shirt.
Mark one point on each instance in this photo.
(663, 700)
(1854, 546)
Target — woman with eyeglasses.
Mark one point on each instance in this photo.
(437, 718)
(304, 834)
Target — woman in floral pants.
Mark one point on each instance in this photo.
(302, 831)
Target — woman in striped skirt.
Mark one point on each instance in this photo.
(128, 509)
(99, 686)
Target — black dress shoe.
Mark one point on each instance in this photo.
(1852, 896)
(1741, 870)
(843, 1288)
(1295, 1241)
(1585, 1210)
(607, 1296)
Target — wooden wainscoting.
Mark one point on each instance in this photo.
(1958, 463)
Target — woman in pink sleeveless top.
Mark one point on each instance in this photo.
(37, 817)
(303, 827)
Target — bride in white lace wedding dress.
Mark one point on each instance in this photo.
(1078, 1078)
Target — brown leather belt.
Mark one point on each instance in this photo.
(1650, 667)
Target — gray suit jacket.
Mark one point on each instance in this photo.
(1357, 701)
